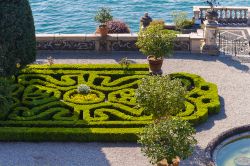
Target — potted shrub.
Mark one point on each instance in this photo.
(162, 142)
(116, 26)
(103, 15)
(156, 43)
(212, 14)
(167, 138)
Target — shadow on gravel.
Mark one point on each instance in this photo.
(212, 118)
(52, 154)
(229, 61)
(89, 54)
(197, 159)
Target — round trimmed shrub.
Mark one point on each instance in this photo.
(17, 36)
(167, 139)
(161, 96)
(116, 26)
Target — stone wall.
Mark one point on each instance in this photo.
(94, 42)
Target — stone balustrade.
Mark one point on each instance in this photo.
(227, 15)
(113, 42)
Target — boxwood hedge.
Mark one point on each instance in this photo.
(43, 109)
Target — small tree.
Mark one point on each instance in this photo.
(156, 41)
(161, 96)
(103, 15)
(167, 139)
(17, 36)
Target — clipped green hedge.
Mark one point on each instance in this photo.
(44, 111)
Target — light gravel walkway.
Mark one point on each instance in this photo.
(231, 76)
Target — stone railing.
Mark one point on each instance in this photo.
(227, 15)
(113, 42)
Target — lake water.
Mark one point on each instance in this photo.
(76, 16)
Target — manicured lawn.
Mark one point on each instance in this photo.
(44, 109)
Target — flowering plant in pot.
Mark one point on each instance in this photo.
(212, 14)
(102, 16)
(168, 139)
(156, 43)
(117, 26)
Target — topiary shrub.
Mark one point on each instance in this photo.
(161, 96)
(167, 139)
(17, 36)
(116, 26)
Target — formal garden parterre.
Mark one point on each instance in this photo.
(45, 109)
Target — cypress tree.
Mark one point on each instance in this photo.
(17, 36)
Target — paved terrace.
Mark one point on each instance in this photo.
(231, 76)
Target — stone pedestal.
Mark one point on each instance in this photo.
(210, 46)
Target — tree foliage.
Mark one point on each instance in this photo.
(167, 139)
(17, 36)
(156, 41)
(161, 96)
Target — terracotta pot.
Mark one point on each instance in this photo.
(102, 30)
(176, 162)
(155, 64)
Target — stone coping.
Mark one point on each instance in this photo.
(113, 42)
(222, 137)
(42, 37)
(130, 36)
(198, 8)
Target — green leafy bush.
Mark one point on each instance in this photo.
(103, 15)
(161, 96)
(83, 89)
(181, 20)
(167, 139)
(157, 22)
(154, 41)
(17, 36)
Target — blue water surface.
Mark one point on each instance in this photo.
(76, 16)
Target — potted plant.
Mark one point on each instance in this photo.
(168, 141)
(116, 26)
(212, 14)
(156, 43)
(167, 138)
(103, 15)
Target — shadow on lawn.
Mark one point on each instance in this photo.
(212, 118)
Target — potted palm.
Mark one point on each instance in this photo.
(168, 139)
(156, 43)
(212, 14)
(102, 16)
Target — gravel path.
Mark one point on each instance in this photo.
(231, 76)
